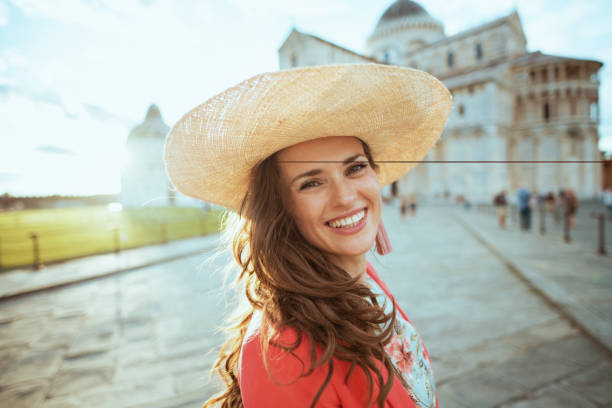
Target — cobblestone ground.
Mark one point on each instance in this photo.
(147, 338)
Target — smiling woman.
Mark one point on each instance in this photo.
(295, 154)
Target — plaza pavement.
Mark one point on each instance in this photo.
(147, 337)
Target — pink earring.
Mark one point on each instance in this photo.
(383, 246)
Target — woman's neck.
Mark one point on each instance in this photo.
(353, 265)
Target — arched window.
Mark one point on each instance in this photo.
(450, 59)
(386, 56)
(594, 111)
(478, 51)
(546, 112)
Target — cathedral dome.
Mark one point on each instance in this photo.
(403, 27)
(402, 8)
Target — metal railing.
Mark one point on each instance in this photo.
(58, 244)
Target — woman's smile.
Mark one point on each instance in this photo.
(349, 224)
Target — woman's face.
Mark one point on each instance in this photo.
(333, 194)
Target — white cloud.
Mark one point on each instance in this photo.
(4, 14)
(28, 123)
(267, 9)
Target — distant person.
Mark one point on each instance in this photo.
(549, 202)
(403, 208)
(607, 199)
(524, 209)
(571, 207)
(501, 206)
(413, 204)
(560, 205)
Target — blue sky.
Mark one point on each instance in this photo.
(75, 76)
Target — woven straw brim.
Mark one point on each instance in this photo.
(399, 112)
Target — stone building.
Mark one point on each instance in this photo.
(143, 179)
(509, 104)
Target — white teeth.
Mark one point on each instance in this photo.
(348, 221)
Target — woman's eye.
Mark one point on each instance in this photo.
(309, 184)
(356, 168)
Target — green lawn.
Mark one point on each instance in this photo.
(65, 233)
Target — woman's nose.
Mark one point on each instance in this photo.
(343, 193)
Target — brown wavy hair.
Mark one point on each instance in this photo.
(294, 284)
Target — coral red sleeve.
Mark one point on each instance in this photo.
(284, 384)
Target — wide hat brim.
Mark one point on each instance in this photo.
(399, 112)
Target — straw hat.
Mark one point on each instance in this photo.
(398, 112)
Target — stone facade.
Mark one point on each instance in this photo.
(509, 104)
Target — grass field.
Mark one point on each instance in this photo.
(64, 233)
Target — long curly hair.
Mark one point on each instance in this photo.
(294, 284)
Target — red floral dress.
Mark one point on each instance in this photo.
(407, 351)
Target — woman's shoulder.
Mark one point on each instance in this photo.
(285, 377)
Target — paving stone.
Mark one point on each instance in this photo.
(90, 359)
(60, 331)
(201, 347)
(9, 355)
(554, 396)
(548, 362)
(134, 393)
(33, 364)
(193, 399)
(136, 329)
(483, 389)
(76, 380)
(94, 340)
(190, 381)
(161, 367)
(133, 352)
(594, 383)
(24, 331)
(63, 402)
(26, 394)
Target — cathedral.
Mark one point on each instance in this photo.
(525, 114)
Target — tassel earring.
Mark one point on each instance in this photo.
(383, 246)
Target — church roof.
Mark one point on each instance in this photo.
(537, 57)
(479, 29)
(401, 9)
(295, 31)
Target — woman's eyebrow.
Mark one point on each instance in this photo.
(352, 158)
(314, 172)
(307, 174)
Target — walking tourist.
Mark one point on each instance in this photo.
(414, 201)
(403, 208)
(549, 202)
(571, 207)
(524, 198)
(607, 199)
(501, 204)
(300, 157)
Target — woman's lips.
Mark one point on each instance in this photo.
(355, 228)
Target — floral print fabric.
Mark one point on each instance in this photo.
(409, 355)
